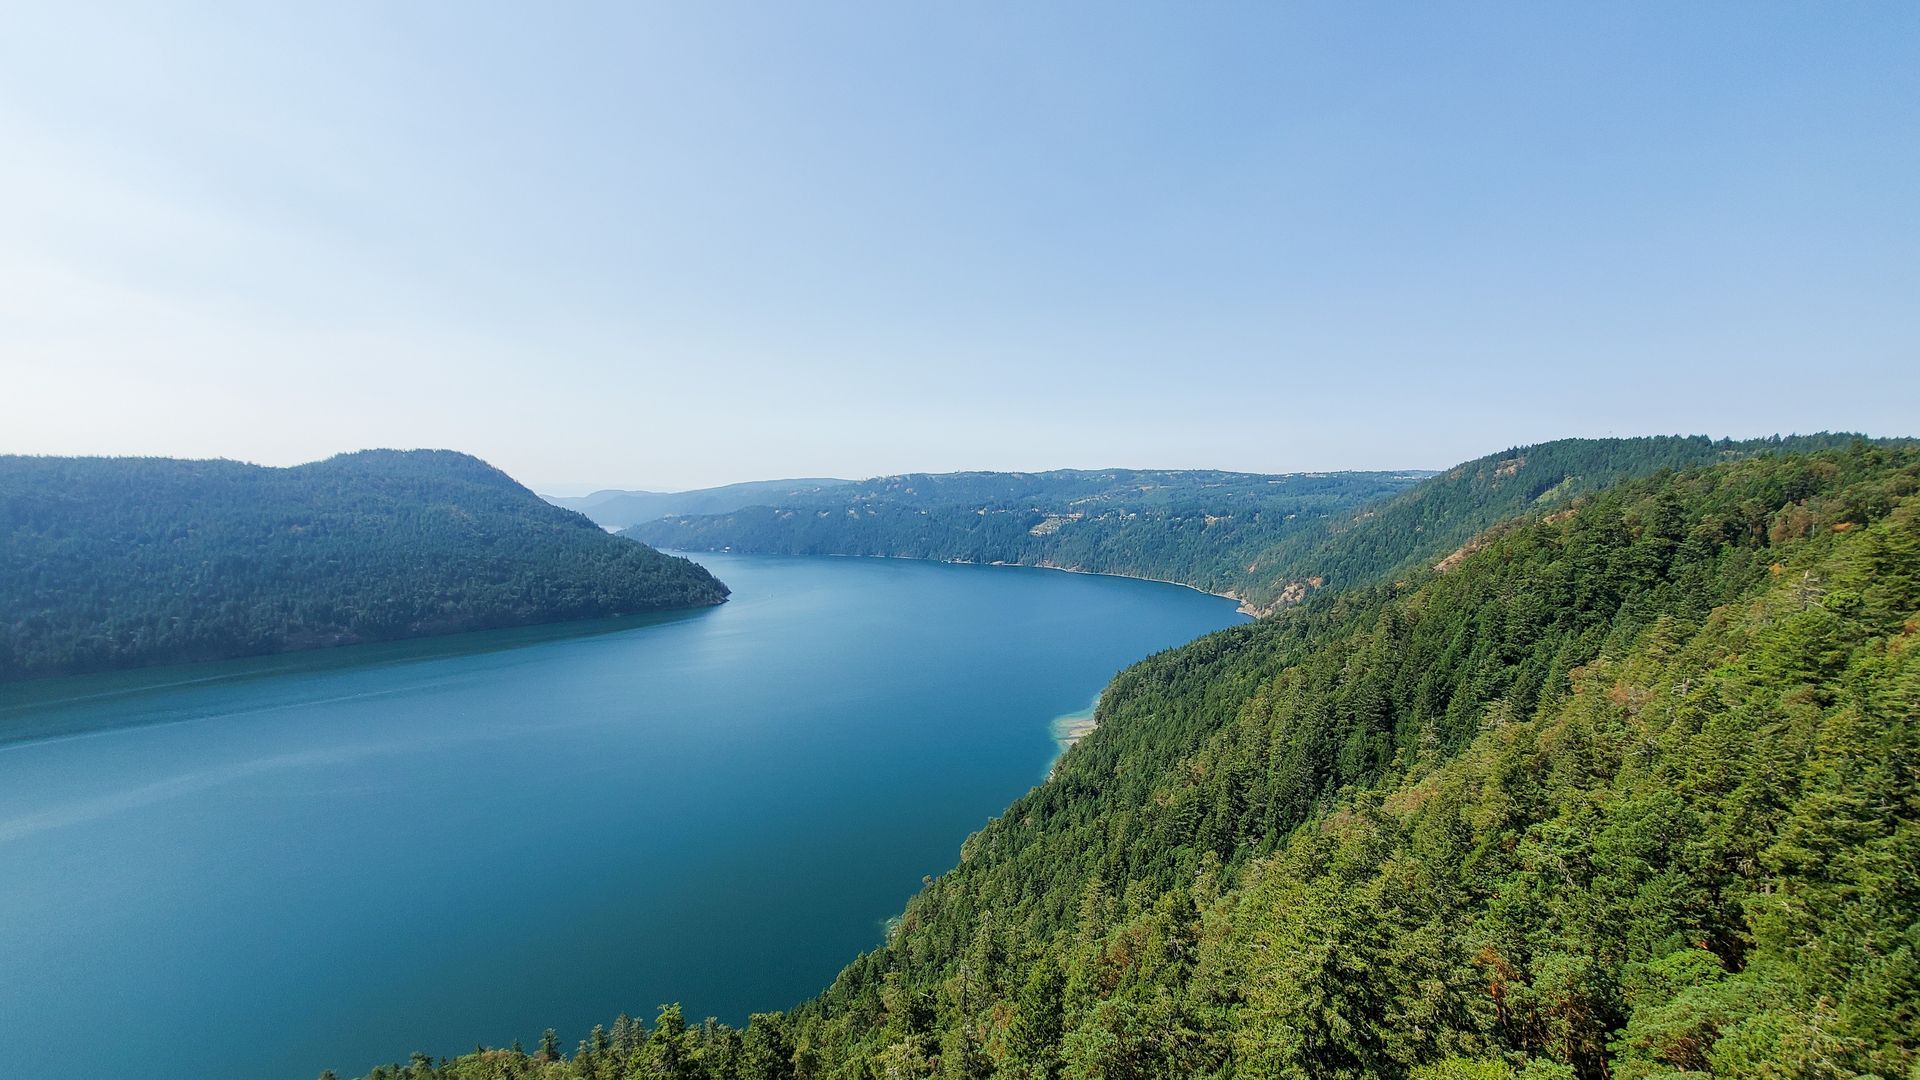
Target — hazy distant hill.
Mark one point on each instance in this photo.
(120, 562)
(1201, 527)
(619, 509)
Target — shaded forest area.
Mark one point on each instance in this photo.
(126, 562)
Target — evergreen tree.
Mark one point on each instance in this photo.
(767, 1052)
(1033, 1039)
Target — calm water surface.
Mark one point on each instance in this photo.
(265, 868)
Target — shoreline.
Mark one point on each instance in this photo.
(1244, 607)
(1069, 728)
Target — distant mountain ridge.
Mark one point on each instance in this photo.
(1200, 527)
(616, 509)
(125, 562)
(1243, 535)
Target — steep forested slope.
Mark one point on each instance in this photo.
(1629, 790)
(1435, 518)
(1201, 528)
(1268, 540)
(117, 562)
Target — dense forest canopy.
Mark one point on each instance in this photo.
(1267, 540)
(122, 562)
(1626, 789)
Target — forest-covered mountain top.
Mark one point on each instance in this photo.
(121, 562)
(1627, 792)
(108, 485)
(398, 467)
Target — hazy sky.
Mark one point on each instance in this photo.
(690, 244)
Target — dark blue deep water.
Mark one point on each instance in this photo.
(260, 869)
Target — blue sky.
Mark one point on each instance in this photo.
(679, 245)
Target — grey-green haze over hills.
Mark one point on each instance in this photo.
(616, 509)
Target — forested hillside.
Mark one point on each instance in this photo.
(1435, 518)
(1201, 528)
(122, 562)
(1266, 540)
(1630, 789)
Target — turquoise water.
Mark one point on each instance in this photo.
(264, 868)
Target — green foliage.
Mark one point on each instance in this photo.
(1267, 540)
(1626, 791)
(1451, 511)
(1200, 528)
(122, 562)
(1033, 1037)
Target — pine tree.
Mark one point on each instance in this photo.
(1033, 1041)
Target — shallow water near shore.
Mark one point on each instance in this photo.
(1070, 727)
(270, 867)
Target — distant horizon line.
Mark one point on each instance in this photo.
(550, 491)
(578, 490)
